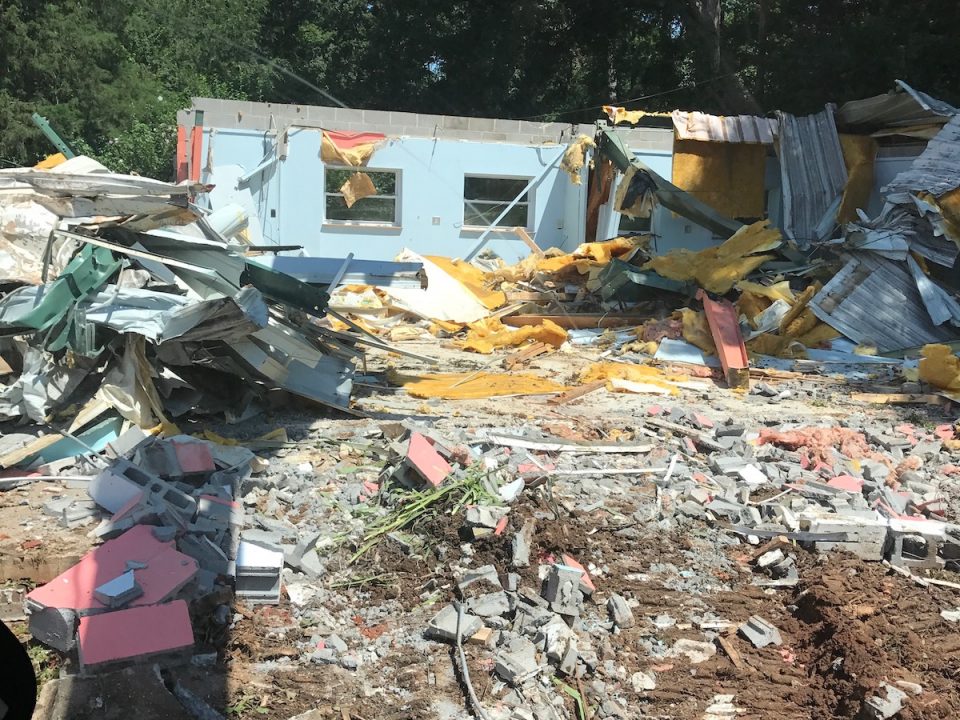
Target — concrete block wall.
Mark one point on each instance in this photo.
(243, 115)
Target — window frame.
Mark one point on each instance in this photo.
(529, 202)
(397, 192)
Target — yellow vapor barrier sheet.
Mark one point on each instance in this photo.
(473, 386)
(472, 278)
(354, 156)
(358, 186)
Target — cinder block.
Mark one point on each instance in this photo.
(450, 122)
(403, 118)
(480, 124)
(506, 126)
(380, 117)
(55, 627)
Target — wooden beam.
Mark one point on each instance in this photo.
(578, 392)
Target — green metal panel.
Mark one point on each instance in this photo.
(88, 271)
(41, 122)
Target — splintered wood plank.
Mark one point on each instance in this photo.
(578, 392)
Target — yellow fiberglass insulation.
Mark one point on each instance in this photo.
(484, 336)
(940, 367)
(470, 386)
(644, 374)
(718, 269)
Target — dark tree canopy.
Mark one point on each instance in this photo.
(111, 75)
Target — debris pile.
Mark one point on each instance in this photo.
(156, 308)
(171, 531)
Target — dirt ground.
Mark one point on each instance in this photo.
(847, 627)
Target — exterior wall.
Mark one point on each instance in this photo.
(432, 155)
(890, 162)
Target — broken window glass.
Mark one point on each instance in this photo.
(484, 198)
(380, 208)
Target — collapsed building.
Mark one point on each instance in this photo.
(688, 251)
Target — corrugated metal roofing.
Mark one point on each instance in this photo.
(873, 300)
(936, 170)
(716, 128)
(901, 107)
(812, 173)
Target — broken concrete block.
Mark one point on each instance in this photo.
(489, 605)
(443, 626)
(727, 464)
(311, 565)
(643, 681)
(866, 537)
(119, 591)
(481, 580)
(207, 553)
(562, 590)
(555, 636)
(694, 650)
(118, 485)
(620, 612)
(760, 632)
(55, 627)
(568, 664)
(164, 533)
(55, 506)
(769, 558)
(141, 634)
(486, 516)
(880, 707)
(729, 431)
(128, 441)
(516, 662)
(521, 545)
(258, 573)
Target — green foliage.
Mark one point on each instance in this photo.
(110, 76)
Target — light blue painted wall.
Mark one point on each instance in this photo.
(288, 198)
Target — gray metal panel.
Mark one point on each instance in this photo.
(813, 174)
(873, 300)
(937, 169)
(322, 271)
(715, 128)
(941, 305)
(901, 107)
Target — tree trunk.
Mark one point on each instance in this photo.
(704, 22)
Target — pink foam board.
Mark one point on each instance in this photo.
(586, 583)
(134, 633)
(847, 483)
(167, 571)
(427, 461)
(194, 457)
